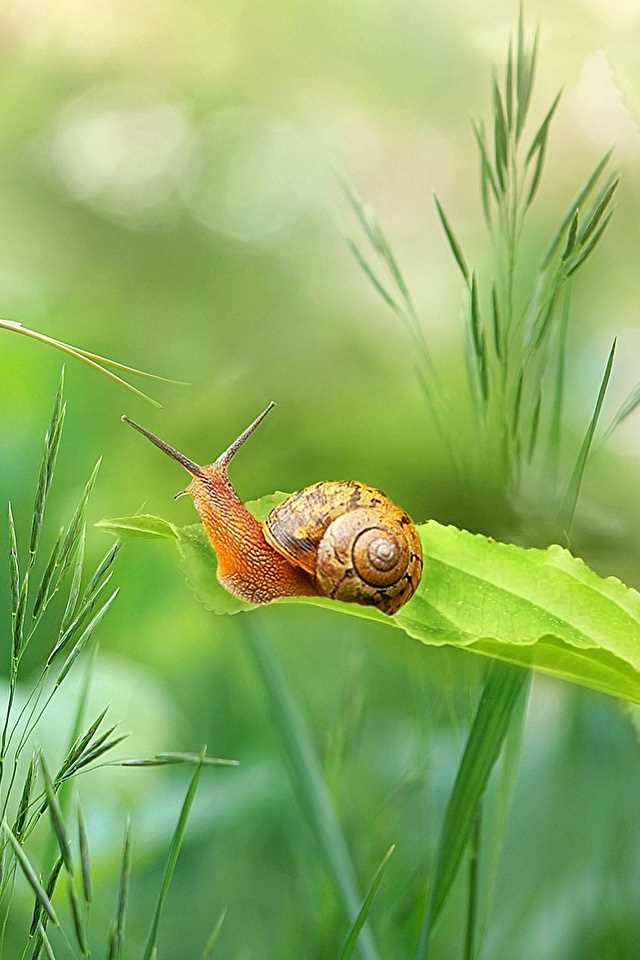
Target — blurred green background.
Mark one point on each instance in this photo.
(166, 199)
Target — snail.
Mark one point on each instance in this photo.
(339, 539)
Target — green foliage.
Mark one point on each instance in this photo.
(80, 613)
(543, 609)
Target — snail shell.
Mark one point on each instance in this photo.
(356, 543)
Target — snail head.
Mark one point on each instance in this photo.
(207, 473)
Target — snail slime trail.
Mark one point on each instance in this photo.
(337, 538)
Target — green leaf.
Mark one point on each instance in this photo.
(142, 527)
(489, 728)
(172, 859)
(539, 608)
(573, 490)
(456, 249)
(359, 922)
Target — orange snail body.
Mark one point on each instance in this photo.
(341, 539)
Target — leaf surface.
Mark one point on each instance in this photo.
(544, 609)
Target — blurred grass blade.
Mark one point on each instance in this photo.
(25, 798)
(598, 211)
(30, 874)
(55, 814)
(76, 580)
(167, 759)
(359, 922)
(575, 483)
(38, 916)
(76, 916)
(215, 936)
(571, 236)
(629, 405)
(85, 856)
(47, 466)
(46, 943)
(489, 728)
(577, 203)
(370, 273)
(496, 823)
(307, 779)
(92, 360)
(542, 132)
(590, 247)
(116, 936)
(14, 569)
(453, 243)
(499, 136)
(172, 859)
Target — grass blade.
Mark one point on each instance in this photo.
(359, 922)
(14, 569)
(489, 728)
(46, 943)
(85, 856)
(30, 874)
(51, 445)
(577, 203)
(76, 916)
(172, 859)
(116, 937)
(456, 250)
(308, 780)
(575, 483)
(55, 814)
(215, 936)
(78, 354)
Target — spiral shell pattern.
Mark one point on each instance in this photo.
(356, 543)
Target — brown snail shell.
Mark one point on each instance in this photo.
(356, 543)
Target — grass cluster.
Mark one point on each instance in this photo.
(517, 324)
(32, 793)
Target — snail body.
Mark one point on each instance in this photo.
(341, 539)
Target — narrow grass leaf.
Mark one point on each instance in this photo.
(535, 423)
(499, 136)
(598, 211)
(47, 467)
(508, 86)
(168, 759)
(123, 896)
(14, 569)
(575, 483)
(629, 405)
(86, 634)
(210, 947)
(76, 916)
(85, 856)
(49, 578)
(478, 131)
(577, 203)
(360, 920)
(453, 243)
(172, 859)
(18, 624)
(496, 823)
(30, 875)
(370, 273)
(25, 799)
(38, 915)
(77, 353)
(55, 815)
(76, 580)
(588, 249)
(101, 570)
(491, 722)
(75, 527)
(571, 236)
(497, 331)
(541, 135)
(46, 943)
(524, 97)
(307, 779)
